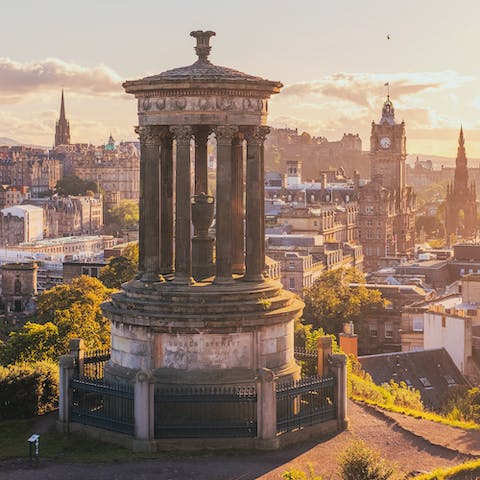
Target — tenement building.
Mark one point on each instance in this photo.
(461, 202)
(386, 204)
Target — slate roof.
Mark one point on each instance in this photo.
(432, 372)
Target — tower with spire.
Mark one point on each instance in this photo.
(461, 204)
(62, 128)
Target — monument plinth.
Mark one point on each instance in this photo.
(216, 319)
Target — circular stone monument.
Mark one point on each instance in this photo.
(202, 311)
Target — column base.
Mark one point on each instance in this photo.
(150, 277)
(253, 278)
(182, 280)
(223, 280)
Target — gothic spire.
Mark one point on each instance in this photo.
(461, 169)
(62, 128)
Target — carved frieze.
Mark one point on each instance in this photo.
(204, 103)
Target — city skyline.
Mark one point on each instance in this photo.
(334, 61)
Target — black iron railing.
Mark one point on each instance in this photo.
(205, 411)
(94, 363)
(103, 405)
(305, 402)
(308, 360)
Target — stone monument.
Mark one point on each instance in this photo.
(215, 319)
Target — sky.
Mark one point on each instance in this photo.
(333, 58)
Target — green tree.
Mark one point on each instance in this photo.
(121, 269)
(463, 403)
(32, 343)
(359, 462)
(75, 310)
(73, 185)
(332, 300)
(123, 215)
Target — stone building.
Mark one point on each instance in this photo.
(33, 168)
(19, 287)
(114, 168)
(11, 195)
(386, 205)
(21, 223)
(461, 201)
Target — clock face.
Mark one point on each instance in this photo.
(385, 142)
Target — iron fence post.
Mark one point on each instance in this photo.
(77, 350)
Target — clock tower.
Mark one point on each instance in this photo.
(386, 204)
(388, 149)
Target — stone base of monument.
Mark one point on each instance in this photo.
(202, 257)
(203, 334)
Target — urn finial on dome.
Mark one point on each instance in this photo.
(202, 49)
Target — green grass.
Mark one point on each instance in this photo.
(68, 447)
(425, 415)
(446, 473)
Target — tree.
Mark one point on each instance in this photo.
(73, 185)
(332, 300)
(359, 462)
(121, 269)
(75, 310)
(123, 215)
(32, 343)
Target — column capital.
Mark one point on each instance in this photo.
(150, 134)
(256, 134)
(201, 133)
(182, 134)
(225, 134)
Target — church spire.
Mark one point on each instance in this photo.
(62, 129)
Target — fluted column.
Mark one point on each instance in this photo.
(149, 229)
(183, 212)
(224, 134)
(166, 204)
(238, 234)
(255, 218)
(201, 167)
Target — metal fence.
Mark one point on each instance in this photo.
(305, 402)
(205, 411)
(94, 363)
(308, 360)
(103, 405)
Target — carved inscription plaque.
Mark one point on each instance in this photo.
(205, 351)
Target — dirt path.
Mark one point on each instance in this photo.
(409, 451)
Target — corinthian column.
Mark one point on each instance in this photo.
(238, 234)
(166, 202)
(255, 221)
(149, 229)
(224, 134)
(183, 212)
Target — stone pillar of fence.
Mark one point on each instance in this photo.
(67, 370)
(324, 349)
(266, 409)
(77, 350)
(143, 409)
(338, 368)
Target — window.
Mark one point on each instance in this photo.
(388, 330)
(425, 382)
(373, 329)
(417, 324)
(291, 283)
(369, 210)
(450, 380)
(291, 264)
(444, 321)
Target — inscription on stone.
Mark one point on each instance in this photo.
(206, 351)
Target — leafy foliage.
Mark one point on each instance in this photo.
(121, 269)
(32, 343)
(331, 301)
(73, 185)
(297, 474)
(463, 404)
(121, 216)
(28, 389)
(361, 387)
(359, 462)
(75, 310)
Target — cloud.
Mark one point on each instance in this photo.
(18, 80)
(363, 88)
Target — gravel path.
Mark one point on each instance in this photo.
(409, 451)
